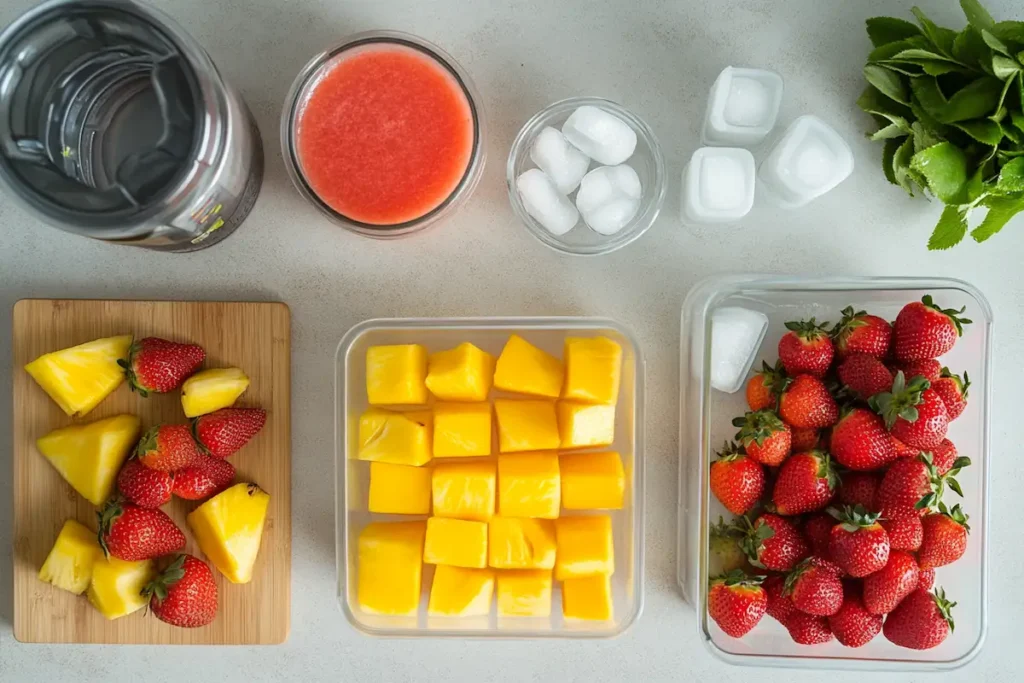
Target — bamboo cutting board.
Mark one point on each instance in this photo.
(252, 336)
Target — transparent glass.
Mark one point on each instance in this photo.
(705, 423)
(352, 475)
(647, 161)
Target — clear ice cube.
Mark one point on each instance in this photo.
(736, 335)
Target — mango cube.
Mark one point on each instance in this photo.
(593, 369)
(397, 438)
(525, 369)
(592, 481)
(390, 567)
(587, 597)
(528, 485)
(462, 429)
(581, 425)
(524, 593)
(456, 542)
(461, 592)
(70, 562)
(584, 547)
(515, 543)
(464, 373)
(399, 489)
(464, 490)
(396, 375)
(526, 425)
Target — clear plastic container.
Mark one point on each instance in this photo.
(705, 423)
(352, 475)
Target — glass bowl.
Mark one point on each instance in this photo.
(647, 161)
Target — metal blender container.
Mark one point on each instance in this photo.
(116, 125)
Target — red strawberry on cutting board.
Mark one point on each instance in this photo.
(159, 366)
(225, 431)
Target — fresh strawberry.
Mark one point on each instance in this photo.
(805, 483)
(159, 366)
(144, 486)
(726, 554)
(927, 579)
(130, 533)
(780, 607)
(859, 332)
(923, 330)
(184, 594)
(945, 537)
(913, 485)
(206, 477)
(806, 629)
(884, 589)
(772, 542)
(922, 621)
(913, 413)
(765, 437)
(858, 488)
(905, 533)
(223, 432)
(861, 442)
(736, 602)
(765, 386)
(865, 375)
(944, 456)
(853, 625)
(953, 392)
(858, 543)
(929, 368)
(167, 448)
(807, 403)
(905, 451)
(814, 589)
(817, 530)
(805, 440)
(806, 348)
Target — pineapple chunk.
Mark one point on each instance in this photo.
(587, 597)
(524, 593)
(399, 489)
(397, 438)
(395, 375)
(211, 390)
(525, 369)
(593, 369)
(462, 429)
(526, 425)
(89, 456)
(592, 481)
(584, 547)
(69, 564)
(228, 529)
(464, 490)
(116, 586)
(80, 377)
(528, 485)
(521, 543)
(390, 567)
(457, 542)
(581, 425)
(461, 592)
(464, 373)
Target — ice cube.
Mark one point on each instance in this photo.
(748, 102)
(722, 183)
(600, 135)
(736, 335)
(718, 185)
(809, 160)
(814, 164)
(609, 218)
(609, 198)
(563, 163)
(545, 203)
(742, 107)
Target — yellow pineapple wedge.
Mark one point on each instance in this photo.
(89, 456)
(116, 586)
(80, 377)
(211, 390)
(228, 528)
(69, 564)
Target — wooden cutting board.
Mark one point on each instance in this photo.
(253, 336)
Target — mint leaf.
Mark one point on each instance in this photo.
(976, 185)
(945, 167)
(1000, 109)
(1010, 31)
(888, 152)
(901, 166)
(874, 102)
(982, 130)
(915, 55)
(1017, 117)
(1005, 68)
(887, 82)
(885, 30)
(1000, 211)
(950, 230)
(928, 95)
(977, 16)
(995, 43)
(886, 51)
(924, 137)
(893, 130)
(942, 38)
(1011, 177)
(970, 48)
(978, 99)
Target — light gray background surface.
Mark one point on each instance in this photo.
(659, 59)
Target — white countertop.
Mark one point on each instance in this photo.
(659, 59)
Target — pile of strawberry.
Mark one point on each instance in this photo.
(838, 482)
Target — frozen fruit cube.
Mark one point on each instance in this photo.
(528, 485)
(399, 489)
(464, 373)
(462, 429)
(584, 547)
(587, 597)
(456, 542)
(390, 567)
(525, 369)
(461, 592)
(592, 481)
(515, 543)
(397, 438)
(593, 369)
(524, 593)
(395, 375)
(583, 424)
(464, 490)
(526, 425)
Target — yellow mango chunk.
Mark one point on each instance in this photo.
(581, 425)
(456, 542)
(584, 547)
(396, 375)
(464, 490)
(524, 593)
(397, 438)
(525, 369)
(593, 369)
(526, 425)
(399, 489)
(516, 543)
(70, 562)
(464, 373)
(587, 597)
(461, 592)
(528, 485)
(390, 567)
(592, 481)
(462, 429)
